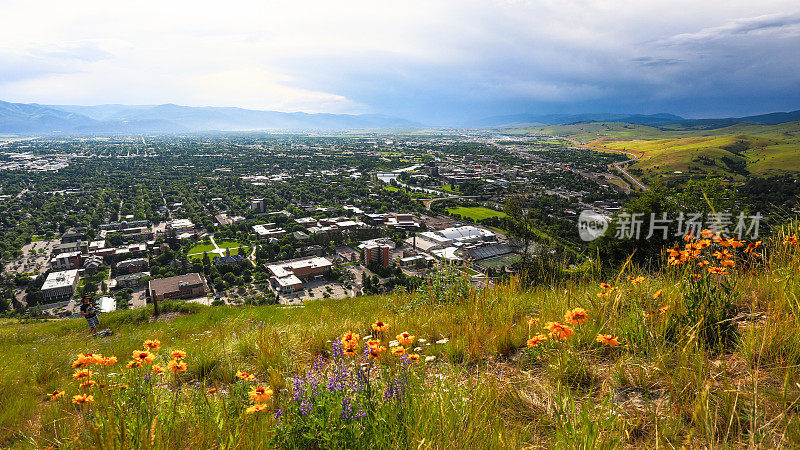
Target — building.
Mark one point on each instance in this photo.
(92, 263)
(130, 280)
(132, 265)
(449, 237)
(71, 235)
(66, 261)
(60, 285)
(182, 286)
(68, 247)
(230, 260)
(181, 226)
(402, 222)
(266, 231)
(377, 253)
(258, 205)
(288, 276)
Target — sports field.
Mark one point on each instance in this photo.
(476, 213)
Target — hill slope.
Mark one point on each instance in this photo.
(679, 376)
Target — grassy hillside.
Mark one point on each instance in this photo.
(734, 152)
(688, 356)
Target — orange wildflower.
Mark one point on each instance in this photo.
(85, 360)
(717, 270)
(636, 280)
(144, 356)
(413, 356)
(81, 374)
(559, 331)
(657, 294)
(107, 361)
(607, 339)
(350, 340)
(88, 383)
(211, 391)
(245, 376)
(176, 366)
(380, 326)
(399, 350)
(260, 394)
(152, 344)
(373, 342)
(82, 399)
(258, 407)
(405, 338)
(532, 321)
(376, 351)
(56, 394)
(178, 354)
(134, 363)
(158, 369)
(350, 352)
(605, 286)
(577, 316)
(536, 340)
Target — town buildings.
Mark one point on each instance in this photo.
(182, 286)
(60, 285)
(288, 276)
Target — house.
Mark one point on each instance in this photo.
(182, 286)
(66, 261)
(60, 285)
(258, 205)
(71, 235)
(68, 247)
(288, 276)
(132, 265)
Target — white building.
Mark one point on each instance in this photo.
(60, 285)
(453, 237)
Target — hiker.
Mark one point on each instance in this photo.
(90, 313)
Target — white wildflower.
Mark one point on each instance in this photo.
(429, 358)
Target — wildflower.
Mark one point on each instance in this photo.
(728, 263)
(443, 341)
(703, 263)
(107, 361)
(791, 240)
(413, 356)
(536, 340)
(81, 374)
(350, 340)
(422, 341)
(152, 344)
(399, 350)
(123, 387)
(211, 391)
(158, 369)
(88, 383)
(350, 352)
(376, 351)
(532, 321)
(373, 342)
(577, 316)
(56, 394)
(380, 326)
(717, 270)
(663, 309)
(260, 394)
(636, 280)
(603, 295)
(736, 243)
(607, 339)
(430, 358)
(82, 399)
(393, 344)
(176, 366)
(258, 407)
(606, 286)
(245, 376)
(658, 294)
(559, 331)
(134, 363)
(178, 354)
(144, 356)
(405, 338)
(84, 360)
(695, 276)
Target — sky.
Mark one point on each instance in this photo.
(431, 61)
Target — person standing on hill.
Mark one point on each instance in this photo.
(89, 311)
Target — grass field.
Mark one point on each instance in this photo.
(197, 251)
(476, 213)
(500, 261)
(666, 360)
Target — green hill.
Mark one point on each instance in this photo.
(702, 360)
(734, 152)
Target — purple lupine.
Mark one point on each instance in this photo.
(305, 407)
(347, 410)
(298, 388)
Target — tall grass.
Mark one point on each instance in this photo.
(666, 384)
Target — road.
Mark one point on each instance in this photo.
(618, 165)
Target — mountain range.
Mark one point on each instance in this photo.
(32, 118)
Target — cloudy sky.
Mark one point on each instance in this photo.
(432, 61)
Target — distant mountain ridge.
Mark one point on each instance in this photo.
(655, 120)
(29, 118)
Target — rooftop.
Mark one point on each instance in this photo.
(60, 279)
